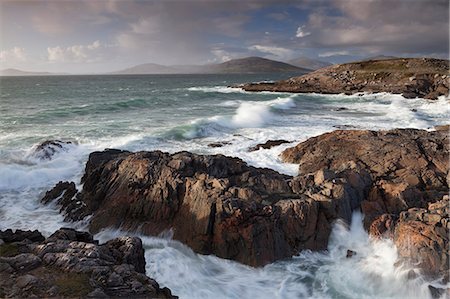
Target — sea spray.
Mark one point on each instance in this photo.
(371, 273)
(249, 115)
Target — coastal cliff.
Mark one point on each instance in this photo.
(412, 77)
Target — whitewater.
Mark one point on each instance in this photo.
(181, 112)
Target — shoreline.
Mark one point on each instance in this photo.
(410, 77)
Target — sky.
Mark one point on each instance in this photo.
(94, 36)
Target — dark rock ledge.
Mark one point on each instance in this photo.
(220, 205)
(71, 264)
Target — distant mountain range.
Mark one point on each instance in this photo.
(246, 65)
(241, 66)
(308, 63)
(16, 72)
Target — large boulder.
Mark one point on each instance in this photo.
(71, 264)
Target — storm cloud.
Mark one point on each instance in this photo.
(104, 35)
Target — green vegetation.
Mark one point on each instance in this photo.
(9, 249)
(73, 284)
(397, 65)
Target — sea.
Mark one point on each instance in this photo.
(188, 112)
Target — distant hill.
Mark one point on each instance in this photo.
(308, 63)
(242, 65)
(16, 72)
(255, 65)
(147, 68)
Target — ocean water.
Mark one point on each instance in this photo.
(188, 112)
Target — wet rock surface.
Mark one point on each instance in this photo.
(412, 77)
(404, 193)
(421, 236)
(268, 144)
(70, 264)
(407, 167)
(47, 149)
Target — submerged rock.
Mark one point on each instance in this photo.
(219, 144)
(47, 149)
(412, 77)
(350, 253)
(267, 145)
(71, 264)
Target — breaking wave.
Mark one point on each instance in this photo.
(249, 114)
(372, 273)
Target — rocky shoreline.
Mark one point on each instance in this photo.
(220, 205)
(71, 264)
(412, 77)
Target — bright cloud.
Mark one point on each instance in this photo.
(76, 53)
(220, 55)
(279, 52)
(334, 53)
(15, 54)
(301, 32)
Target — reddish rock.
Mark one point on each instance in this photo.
(383, 226)
(408, 167)
(422, 238)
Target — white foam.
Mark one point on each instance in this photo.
(371, 273)
(229, 103)
(251, 115)
(220, 89)
(227, 89)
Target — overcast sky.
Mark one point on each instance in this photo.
(106, 35)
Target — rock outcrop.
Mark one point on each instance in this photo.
(412, 77)
(408, 168)
(70, 264)
(421, 237)
(214, 204)
(407, 176)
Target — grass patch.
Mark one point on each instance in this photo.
(9, 249)
(73, 284)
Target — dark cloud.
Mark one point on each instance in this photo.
(378, 26)
(202, 31)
